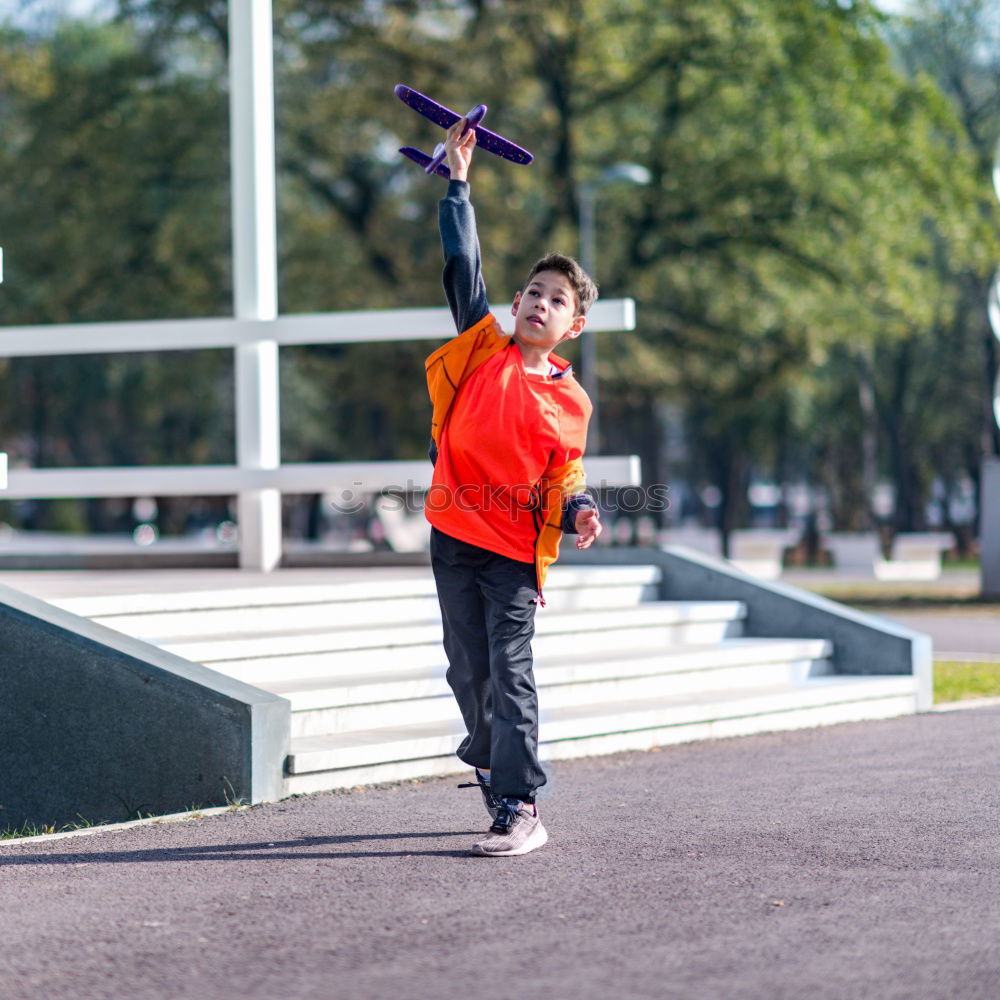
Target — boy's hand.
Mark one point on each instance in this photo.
(588, 527)
(458, 149)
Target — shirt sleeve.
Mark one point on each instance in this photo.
(571, 507)
(463, 276)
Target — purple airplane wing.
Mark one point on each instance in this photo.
(423, 159)
(437, 113)
(497, 144)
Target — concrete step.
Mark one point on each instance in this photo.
(650, 626)
(422, 694)
(160, 617)
(359, 757)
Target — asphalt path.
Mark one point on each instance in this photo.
(857, 861)
(969, 634)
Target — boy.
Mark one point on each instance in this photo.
(508, 433)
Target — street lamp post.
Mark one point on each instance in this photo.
(587, 199)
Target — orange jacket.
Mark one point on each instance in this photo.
(543, 453)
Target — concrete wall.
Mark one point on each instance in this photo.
(98, 725)
(863, 643)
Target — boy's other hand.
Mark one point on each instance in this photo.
(458, 146)
(588, 527)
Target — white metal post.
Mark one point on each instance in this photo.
(989, 484)
(588, 345)
(989, 528)
(255, 277)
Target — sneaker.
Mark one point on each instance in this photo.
(491, 801)
(516, 830)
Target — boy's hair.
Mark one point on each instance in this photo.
(583, 285)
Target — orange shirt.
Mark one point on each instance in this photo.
(510, 445)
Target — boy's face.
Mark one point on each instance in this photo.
(545, 311)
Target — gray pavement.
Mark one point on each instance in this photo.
(858, 861)
(962, 634)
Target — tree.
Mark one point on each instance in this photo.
(800, 188)
(113, 206)
(954, 363)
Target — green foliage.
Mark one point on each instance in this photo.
(937, 413)
(807, 201)
(113, 206)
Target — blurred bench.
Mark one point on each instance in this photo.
(403, 523)
(854, 552)
(761, 551)
(915, 555)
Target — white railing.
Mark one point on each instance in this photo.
(306, 328)
(350, 479)
(260, 523)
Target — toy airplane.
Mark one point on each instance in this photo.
(440, 115)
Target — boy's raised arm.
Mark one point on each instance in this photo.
(463, 277)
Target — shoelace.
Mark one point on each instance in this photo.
(506, 814)
(484, 786)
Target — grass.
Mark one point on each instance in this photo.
(234, 803)
(903, 597)
(959, 589)
(958, 680)
(38, 829)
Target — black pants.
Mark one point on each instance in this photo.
(488, 611)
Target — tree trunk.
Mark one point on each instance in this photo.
(869, 438)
